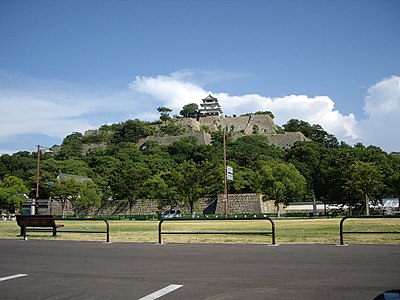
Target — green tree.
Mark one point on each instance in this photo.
(75, 166)
(194, 181)
(247, 150)
(156, 163)
(244, 178)
(131, 131)
(281, 182)
(187, 148)
(189, 110)
(306, 157)
(89, 196)
(365, 182)
(125, 152)
(314, 132)
(49, 169)
(153, 148)
(162, 188)
(334, 164)
(104, 167)
(63, 190)
(72, 146)
(371, 154)
(19, 164)
(393, 177)
(128, 183)
(12, 193)
(101, 135)
(171, 129)
(164, 111)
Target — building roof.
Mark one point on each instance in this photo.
(77, 178)
(209, 97)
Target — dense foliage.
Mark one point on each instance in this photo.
(183, 172)
(189, 110)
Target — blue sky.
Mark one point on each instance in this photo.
(72, 65)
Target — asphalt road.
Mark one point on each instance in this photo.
(96, 270)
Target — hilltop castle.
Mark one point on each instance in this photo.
(210, 120)
(210, 107)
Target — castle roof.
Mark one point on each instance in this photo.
(209, 97)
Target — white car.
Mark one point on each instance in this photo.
(171, 214)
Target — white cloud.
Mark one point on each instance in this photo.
(170, 90)
(318, 110)
(383, 98)
(30, 112)
(174, 91)
(382, 108)
(57, 109)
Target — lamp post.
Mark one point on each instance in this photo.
(35, 204)
(225, 176)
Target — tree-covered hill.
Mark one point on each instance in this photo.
(184, 171)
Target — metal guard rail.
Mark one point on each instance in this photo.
(107, 232)
(272, 232)
(365, 232)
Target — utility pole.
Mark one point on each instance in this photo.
(36, 200)
(225, 177)
(35, 203)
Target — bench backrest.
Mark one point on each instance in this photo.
(36, 220)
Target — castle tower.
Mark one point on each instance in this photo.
(210, 107)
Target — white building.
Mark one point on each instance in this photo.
(210, 107)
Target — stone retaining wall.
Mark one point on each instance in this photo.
(202, 138)
(237, 204)
(240, 204)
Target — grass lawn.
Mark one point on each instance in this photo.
(301, 231)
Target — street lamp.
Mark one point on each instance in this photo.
(35, 203)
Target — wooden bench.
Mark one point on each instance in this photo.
(43, 221)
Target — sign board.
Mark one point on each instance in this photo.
(25, 211)
(229, 173)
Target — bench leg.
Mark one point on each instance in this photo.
(54, 231)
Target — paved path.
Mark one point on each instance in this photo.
(95, 270)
